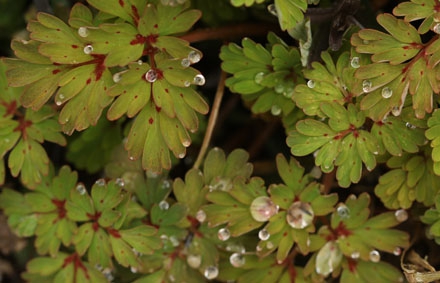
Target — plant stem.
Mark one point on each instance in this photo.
(212, 119)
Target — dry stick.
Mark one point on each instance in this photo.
(212, 119)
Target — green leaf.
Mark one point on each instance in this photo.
(142, 238)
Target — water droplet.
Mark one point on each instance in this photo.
(355, 62)
(164, 205)
(275, 110)
(186, 143)
(397, 251)
(387, 92)
(185, 62)
(88, 49)
(221, 185)
(81, 189)
(100, 182)
(311, 84)
(133, 269)
(223, 234)
(279, 88)
(264, 235)
(343, 211)
(396, 111)
(201, 216)
(262, 208)
(272, 9)
(410, 126)
(299, 215)
(193, 260)
(436, 29)
(107, 272)
(328, 258)
(166, 184)
(269, 245)
(367, 85)
(186, 83)
(140, 62)
(120, 182)
(259, 77)
(401, 215)
(132, 158)
(199, 79)
(355, 255)
(211, 272)
(194, 57)
(117, 77)
(237, 260)
(83, 31)
(171, 278)
(374, 256)
(151, 75)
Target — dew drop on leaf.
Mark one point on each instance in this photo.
(397, 251)
(299, 215)
(107, 272)
(288, 93)
(272, 9)
(436, 29)
(269, 245)
(166, 184)
(193, 260)
(237, 260)
(328, 258)
(374, 256)
(199, 79)
(223, 234)
(88, 49)
(164, 205)
(264, 235)
(262, 208)
(387, 92)
(117, 77)
(186, 143)
(186, 83)
(194, 57)
(355, 62)
(367, 85)
(120, 182)
(355, 255)
(211, 272)
(83, 31)
(410, 126)
(140, 62)
(395, 111)
(275, 110)
(401, 215)
(311, 83)
(100, 182)
(185, 62)
(133, 269)
(201, 216)
(151, 75)
(259, 77)
(81, 189)
(343, 211)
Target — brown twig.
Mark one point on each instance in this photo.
(212, 120)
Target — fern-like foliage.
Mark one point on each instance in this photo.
(93, 62)
(22, 134)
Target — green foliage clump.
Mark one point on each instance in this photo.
(98, 112)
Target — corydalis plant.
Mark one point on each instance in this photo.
(135, 66)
